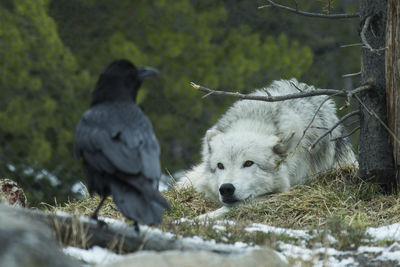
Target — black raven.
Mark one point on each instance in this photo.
(117, 145)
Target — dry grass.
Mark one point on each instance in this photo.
(336, 194)
(86, 207)
(187, 203)
(336, 201)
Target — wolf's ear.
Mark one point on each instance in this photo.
(285, 144)
(210, 134)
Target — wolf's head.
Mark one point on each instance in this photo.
(246, 164)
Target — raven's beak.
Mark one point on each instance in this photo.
(147, 72)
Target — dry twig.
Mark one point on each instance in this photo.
(347, 135)
(351, 114)
(351, 45)
(312, 120)
(373, 113)
(364, 39)
(351, 74)
(270, 98)
(308, 14)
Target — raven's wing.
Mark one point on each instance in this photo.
(118, 137)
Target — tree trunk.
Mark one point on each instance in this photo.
(393, 78)
(375, 157)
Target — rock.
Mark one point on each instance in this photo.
(28, 243)
(175, 258)
(11, 193)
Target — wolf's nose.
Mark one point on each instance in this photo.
(227, 190)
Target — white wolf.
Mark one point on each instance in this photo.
(258, 148)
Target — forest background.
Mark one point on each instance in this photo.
(52, 52)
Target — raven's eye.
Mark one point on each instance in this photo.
(220, 166)
(248, 163)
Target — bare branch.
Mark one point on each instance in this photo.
(270, 98)
(364, 39)
(297, 5)
(357, 90)
(372, 113)
(351, 114)
(268, 93)
(292, 83)
(353, 123)
(351, 74)
(351, 45)
(347, 135)
(346, 105)
(312, 120)
(319, 128)
(308, 14)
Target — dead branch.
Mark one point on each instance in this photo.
(270, 98)
(373, 113)
(308, 14)
(351, 45)
(347, 135)
(351, 114)
(312, 120)
(86, 233)
(295, 86)
(352, 123)
(351, 74)
(364, 39)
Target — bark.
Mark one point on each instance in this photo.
(393, 77)
(85, 233)
(375, 155)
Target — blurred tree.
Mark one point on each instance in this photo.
(187, 41)
(324, 37)
(51, 53)
(40, 101)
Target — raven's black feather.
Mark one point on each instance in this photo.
(117, 145)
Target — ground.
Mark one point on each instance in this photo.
(335, 220)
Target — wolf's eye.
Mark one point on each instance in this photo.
(248, 163)
(220, 166)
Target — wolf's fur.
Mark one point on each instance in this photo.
(270, 135)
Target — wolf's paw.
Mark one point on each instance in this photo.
(212, 215)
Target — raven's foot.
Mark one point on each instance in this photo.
(136, 225)
(100, 223)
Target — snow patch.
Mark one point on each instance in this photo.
(94, 255)
(80, 188)
(44, 174)
(384, 233)
(268, 229)
(63, 213)
(114, 222)
(29, 171)
(391, 253)
(219, 227)
(11, 167)
(318, 257)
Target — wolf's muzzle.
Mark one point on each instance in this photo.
(227, 191)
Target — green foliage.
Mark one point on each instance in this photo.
(40, 100)
(187, 42)
(51, 53)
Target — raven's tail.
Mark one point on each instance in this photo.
(139, 200)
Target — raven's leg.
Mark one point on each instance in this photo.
(136, 225)
(94, 215)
